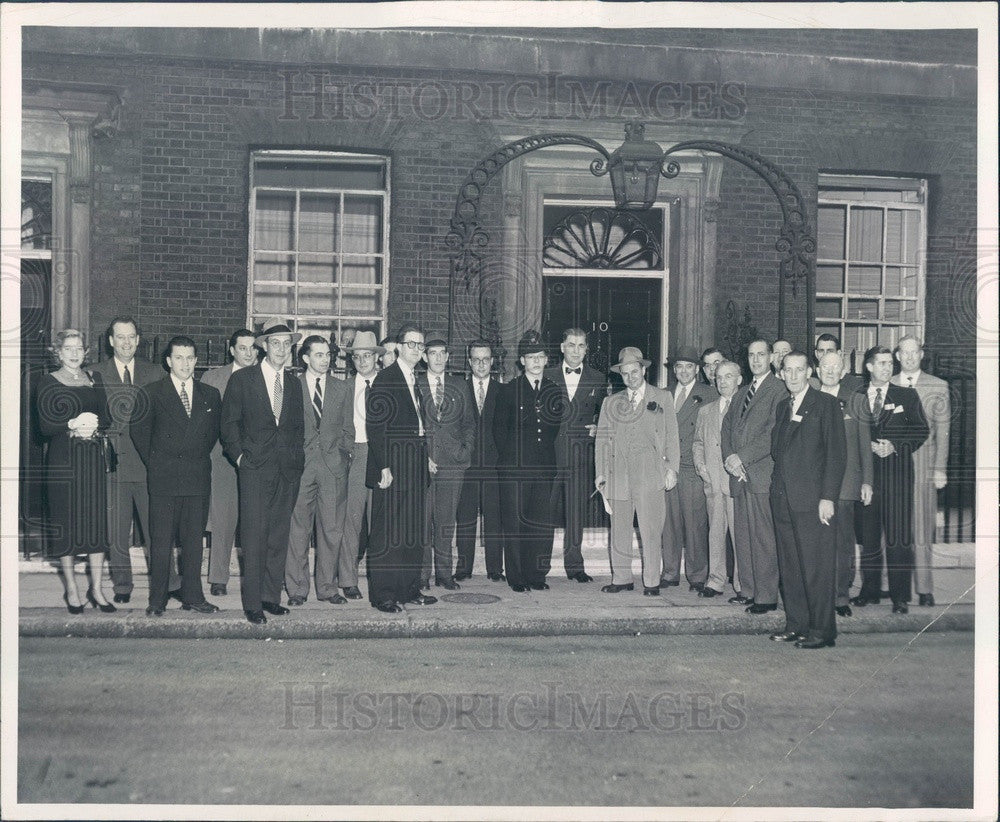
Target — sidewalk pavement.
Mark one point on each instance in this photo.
(488, 609)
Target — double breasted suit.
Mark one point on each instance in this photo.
(746, 431)
(636, 445)
(481, 488)
(224, 508)
(128, 495)
(809, 449)
(685, 529)
(525, 426)
(270, 460)
(395, 547)
(176, 449)
(930, 457)
(575, 457)
(901, 421)
(451, 434)
(707, 453)
(321, 501)
(857, 472)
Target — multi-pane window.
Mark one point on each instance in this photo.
(319, 251)
(870, 259)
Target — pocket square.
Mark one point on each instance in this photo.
(897, 410)
(796, 418)
(888, 406)
(847, 416)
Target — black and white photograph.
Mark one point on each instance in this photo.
(499, 410)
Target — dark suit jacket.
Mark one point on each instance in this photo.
(809, 453)
(525, 426)
(122, 401)
(484, 448)
(749, 435)
(687, 418)
(393, 430)
(327, 442)
(248, 427)
(904, 424)
(176, 449)
(451, 430)
(574, 445)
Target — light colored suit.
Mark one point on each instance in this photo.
(319, 507)
(634, 449)
(748, 434)
(930, 457)
(224, 507)
(707, 450)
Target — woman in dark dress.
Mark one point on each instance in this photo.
(72, 408)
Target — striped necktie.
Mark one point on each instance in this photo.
(877, 404)
(276, 399)
(185, 400)
(318, 401)
(746, 403)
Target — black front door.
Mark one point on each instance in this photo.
(614, 311)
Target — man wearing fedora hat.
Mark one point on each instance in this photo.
(364, 352)
(637, 458)
(685, 530)
(263, 433)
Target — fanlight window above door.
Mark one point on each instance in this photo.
(602, 238)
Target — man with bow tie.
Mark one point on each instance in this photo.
(685, 531)
(583, 389)
(263, 429)
(637, 460)
(809, 449)
(930, 460)
(898, 428)
(451, 433)
(174, 436)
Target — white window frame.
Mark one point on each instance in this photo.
(336, 321)
(872, 186)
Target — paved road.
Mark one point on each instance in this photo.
(880, 720)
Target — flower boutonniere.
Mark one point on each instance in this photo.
(653, 406)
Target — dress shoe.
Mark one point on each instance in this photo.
(218, 590)
(461, 577)
(669, 583)
(122, 599)
(900, 608)
(739, 599)
(786, 636)
(860, 601)
(539, 586)
(815, 643)
(580, 576)
(651, 592)
(256, 617)
(497, 577)
(201, 607)
(296, 601)
(519, 589)
(421, 599)
(73, 609)
(154, 611)
(274, 608)
(844, 610)
(696, 586)
(388, 607)
(927, 599)
(176, 594)
(105, 607)
(352, 592)
(333, 599)
(448, 583)
(615, 589)
(708, 593)
(760, 608)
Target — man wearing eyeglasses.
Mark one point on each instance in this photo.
(524, 429)
(398, 474)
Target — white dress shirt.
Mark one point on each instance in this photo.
(572, 380)
(360, 416)
(797, 400)
(410, 383)
(910, 380)
(269, 377)
(636, 397)
(188, 388)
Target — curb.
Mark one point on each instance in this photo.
(50, 622)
